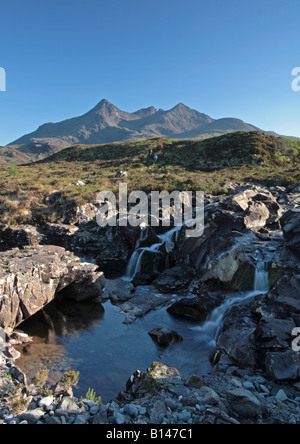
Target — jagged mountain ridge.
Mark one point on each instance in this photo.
(106, 123)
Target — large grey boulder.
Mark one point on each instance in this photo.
(283, 366)
(30, 279)
(244, 403)
(259, 205)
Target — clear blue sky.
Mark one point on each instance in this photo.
(226, 58)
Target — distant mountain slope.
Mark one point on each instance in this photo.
(106, 123)
(52, 189)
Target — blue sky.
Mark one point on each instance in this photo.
(226, 58)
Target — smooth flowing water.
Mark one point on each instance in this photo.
(91, 338)
(210, 329)
(134, 264)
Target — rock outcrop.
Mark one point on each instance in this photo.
(30, 279)
(259, 205)
(290, 223)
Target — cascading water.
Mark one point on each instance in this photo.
(212, 326)
(134, 264)
(261, 281)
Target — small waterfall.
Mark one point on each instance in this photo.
(212, 326)
(261, 281)
(134, 264)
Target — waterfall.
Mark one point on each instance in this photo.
(261, 280)
(134, 264)
(212, 326)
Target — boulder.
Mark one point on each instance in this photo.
(30, 279)
(259, 205)
(285, 295)
(227, 257)
(111, 247)
(18, 236)
(165, 336)
(273, 333)
(81, 214)
(257, 215)
(244, 403)
(236, 339)
(196, 307)
(283, 366)
(175, 279)
(121, 174)
(290, 223)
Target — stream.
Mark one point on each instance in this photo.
(90, 337)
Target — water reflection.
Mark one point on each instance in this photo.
(92, 339)
(63, 318)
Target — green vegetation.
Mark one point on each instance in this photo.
(47, 190)
(40, 378)
(11, 392)
(70, 379)
(91, 396)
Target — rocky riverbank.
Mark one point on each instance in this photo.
(255, 375)
(157, 396)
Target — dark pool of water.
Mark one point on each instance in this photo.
(91, 338)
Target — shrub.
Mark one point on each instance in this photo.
(70, 378)
(91, 396)
(13, 171)
(40, 378)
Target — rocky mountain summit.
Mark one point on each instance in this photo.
(106, 123)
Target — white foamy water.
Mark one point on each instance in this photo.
(212, 326)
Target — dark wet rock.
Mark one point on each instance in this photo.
(290, 223)
(244, 403)
(196, 307)
(111, 247)
(175, 279)
(273, 333)
(165, 336)
(143, 300)
(152, 261)
(118, 290)
(236, 340)
(195, 382)
(285, 295)
(283, 366)
(144, 278)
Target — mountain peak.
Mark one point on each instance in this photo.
(106, 123)
(181, 105)
(104, 103)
